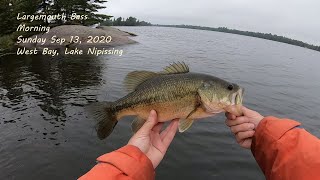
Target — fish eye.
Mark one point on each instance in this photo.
(230, 87)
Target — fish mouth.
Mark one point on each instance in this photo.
(236, 103)
(238, 97)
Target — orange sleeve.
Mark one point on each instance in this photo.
(285, 151)
(126, 163)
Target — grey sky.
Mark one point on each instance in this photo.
(298, 19)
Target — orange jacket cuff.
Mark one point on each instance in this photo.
(131, 161)
(270, 129)
(275, 127)
(265, 140)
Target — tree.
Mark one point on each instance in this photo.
(6, 16)
(268, 36)
(44, 8)
(118, 21)
(90, 9)
(9, 10)
(131, 21)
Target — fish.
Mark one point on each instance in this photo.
(174, 93)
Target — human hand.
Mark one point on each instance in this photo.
(244, 126)
(151, 142)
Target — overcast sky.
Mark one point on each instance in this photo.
(298, 19)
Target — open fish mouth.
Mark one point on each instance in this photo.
(237, 97)
(236, 103)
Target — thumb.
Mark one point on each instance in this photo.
(254, 116)
(150, 123)
(247, 112)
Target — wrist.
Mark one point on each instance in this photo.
(257, 121)
(154, 158)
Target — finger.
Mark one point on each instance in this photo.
(150, 123)
(157, 128)
(242, 128)
(164, 132)
(238, 120)
(167, 139)
(235, 110)
(244, 135)
(246, 143)
(230, 116)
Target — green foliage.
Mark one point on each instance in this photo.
(6, 42)
(130, 21)
(86, 8)
(9, 23)
(267, 36)
(118, 22)
(8, 12)
(107, 22)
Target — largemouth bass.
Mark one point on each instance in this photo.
(173, 93)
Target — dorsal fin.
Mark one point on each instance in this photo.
(133, 79)
(176, 68)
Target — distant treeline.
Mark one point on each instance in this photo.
(268, 36)
(130, 21)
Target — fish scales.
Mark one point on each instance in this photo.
(161, 89)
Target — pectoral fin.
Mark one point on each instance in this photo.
(185, 124)
(137, 123)
(192, 112)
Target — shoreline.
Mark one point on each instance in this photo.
(266, 36)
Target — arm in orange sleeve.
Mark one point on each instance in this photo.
(285, 151)
(126, 163)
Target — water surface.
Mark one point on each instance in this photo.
(45, 133)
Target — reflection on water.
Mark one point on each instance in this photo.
(45, 133)
(37, 87)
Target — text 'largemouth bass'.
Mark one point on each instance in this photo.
(173, 93)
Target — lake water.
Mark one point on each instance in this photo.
(45, 133)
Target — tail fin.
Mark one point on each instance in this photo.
(106, 118)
